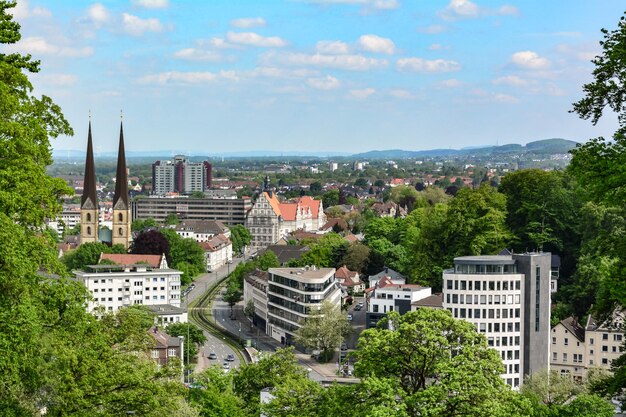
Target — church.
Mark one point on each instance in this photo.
(89, 209)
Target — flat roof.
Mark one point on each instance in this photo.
(485, 260)
(311, 274)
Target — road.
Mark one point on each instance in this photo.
(213, 343)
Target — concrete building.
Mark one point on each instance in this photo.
(165, 314)
(126, 280)
(507, 298)
(386, 296)
(286, 298)
(180, 175)
(255, 292)
(568, 349)
(230, 211)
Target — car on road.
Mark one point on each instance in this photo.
(230, 357)
(360, 304)
(344, 346)
(212, 355)
(226, 366)
(349, 317)
(358, 307)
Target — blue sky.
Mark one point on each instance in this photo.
(205, 77)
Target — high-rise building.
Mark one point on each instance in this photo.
(180, 175)
(507, 298)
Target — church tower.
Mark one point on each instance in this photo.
(121, 207)
(89, 201)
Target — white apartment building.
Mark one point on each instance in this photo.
(201, 230)
(576, 350)
(255, 291)
(288, 296)
(218, 251)
(507, 298)
(132, 279)
(388, 296)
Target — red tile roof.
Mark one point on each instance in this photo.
(128, 259)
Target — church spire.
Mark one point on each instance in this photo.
(89, 181)
(121, 176)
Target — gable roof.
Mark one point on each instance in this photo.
(215, 243)
(163, 340)
(313, 204)
(286, 253)
(132, 259)
(435, 301)
(201, 226)
(573, 326)
(288, 210)
(273, 201)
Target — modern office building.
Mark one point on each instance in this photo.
(230, 211)
(180, 175)
(507, 298)
(126, 280)
(286, 296)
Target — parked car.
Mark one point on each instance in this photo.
(349, 317)
(230, 357)
(212, 355)
(344, 346)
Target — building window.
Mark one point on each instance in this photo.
(605, 361)
(171, 352)
(617, 337)
(120, 217)
(554, 340)
(566, 341)
(554, 356)
(88, 230)
(88, 217)
(605, 348)
(155, 354)
(591, 341)
(120, 232)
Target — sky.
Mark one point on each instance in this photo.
(208, 77)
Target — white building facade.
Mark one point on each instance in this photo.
(136, 279)
(507, 298)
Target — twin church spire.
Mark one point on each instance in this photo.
(89, 208)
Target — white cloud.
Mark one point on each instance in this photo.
(373, 43)
(344, 62)
(254, 39)
(423, 65)
(402, 94)
(581, 52)
(273, 72)
(152, 4)
(229, 75)
(437, 47)
(466, 9)
(332, 47)
(176, 77)
(137, 26)
(324, 83)
(248, 22)
(60, 80)
(513, 80)
(98, 14)
(450, 83)
(39, 46)
(362, 94)
(486, 96)
(23, 11)
(366, 5)
(432, 29)
(530, 60)
(197, 54)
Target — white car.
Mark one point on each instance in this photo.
(349, 317)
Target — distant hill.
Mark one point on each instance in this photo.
(545, 146)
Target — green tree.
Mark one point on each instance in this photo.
(269, 372)
(215, 396)
(266, 261)
(241, 237)
(186, 255)
(191, 333)
(426, 356)
(357, 257)
(197, 194)
(171, 220)
(550, 388)
(140, 225)
(324, 329)
(88, 254)
(315, 188)
(232, 295)
(330, 198)
(324, 251)
(55, 354)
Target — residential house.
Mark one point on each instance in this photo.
(350, 280)
(568, 348)
(218, 251)
(387, 296)
(165, 314)
(201, 230)
(394, 276)
(165, 347)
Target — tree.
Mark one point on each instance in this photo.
(171, 220)
(185, 254)
(269, 372)
(315, 188)
(361, 183)
(197, 194)
(550, 387)
(54, 353)
(324, 251)
(194, 337)
(267, 260)
(88, 254)
(215, 396)
(241, 237)
(232, 295)
(140, 225)
(150, 242)
(357, 257)
(330, 198)
(435, 366)
(324, 329)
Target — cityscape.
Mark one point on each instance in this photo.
(307, 266)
